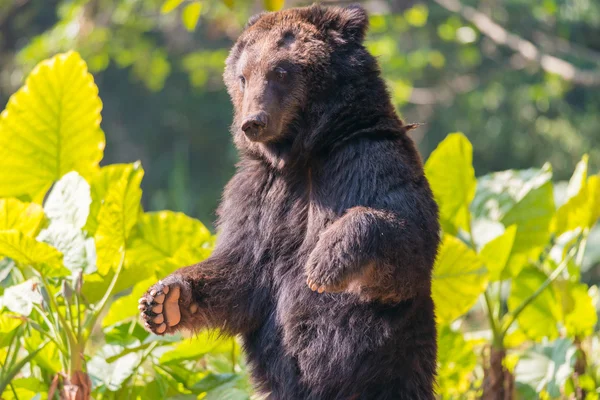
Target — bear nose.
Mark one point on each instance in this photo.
(253, 124)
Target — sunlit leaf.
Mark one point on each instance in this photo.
(539, 319)
(79, 252)
(579, 310)
(170, 5)
(23, 217)
(459, 278)
(495, 253)
(21, 298)
(532, 215)
(51, 126)
(456, 362)
(27, 251)
(273, 5)
(497, 193)
(194, 348)
(449, 170)
(579, 177)
(26, 388)
(8, 323)
(191, 15)
(582, 210)
(546, 367)
(69, 201)
(117, 216)
(125, 308)
(167, 240)
(112, 375)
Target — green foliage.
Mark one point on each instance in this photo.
(76, 258)
(520, 255)
(75, 264)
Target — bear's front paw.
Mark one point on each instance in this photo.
(164, 303)
(326, 272)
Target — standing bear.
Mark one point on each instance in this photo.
(327, 233)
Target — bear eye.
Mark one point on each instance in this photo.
(242, 82)
(280, 73)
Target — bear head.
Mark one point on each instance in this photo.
(288, 61)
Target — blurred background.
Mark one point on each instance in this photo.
(520, 78)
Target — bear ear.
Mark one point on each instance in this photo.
(346, 23)
(253, 19)
(353, 22)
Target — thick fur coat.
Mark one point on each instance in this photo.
(328, 231)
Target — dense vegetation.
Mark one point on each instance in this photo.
(78, 257)
(514, 283)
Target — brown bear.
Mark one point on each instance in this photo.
(327, 233)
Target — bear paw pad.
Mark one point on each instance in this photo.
(160, 308)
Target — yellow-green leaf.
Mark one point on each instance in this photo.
(579, 177)
(8, 323)
(495, 254)
(117, 217)
(533, 216)
(580, 211)
(27, 218)
(539, 319)
(51, 126)
(194, 348)
(274, 5)
(580, 311)
(168, 240)
(456, 363)
(126, 307)
(459, 278)
(170, 5)
(191, 14)
(450, 172)
(25, 250)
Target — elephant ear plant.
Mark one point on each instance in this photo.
(77, 251)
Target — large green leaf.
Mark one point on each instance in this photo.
(167, 240)
(579, 309)
(456, 362)
(459, 278)
(51, 126)
(28, 251)
(449, 170)
(8, 323)
(194, 348)
(582, 210)
(117, 216)
(125, 307)
(99, 184)
(533, 216)
(67, 207)
(495, 253)
(27, 218)
(539, 319)
(497, 193)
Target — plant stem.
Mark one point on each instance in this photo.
(513, 315)
(91, 321)
(492, 321)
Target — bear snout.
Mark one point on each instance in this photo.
(254, 125)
